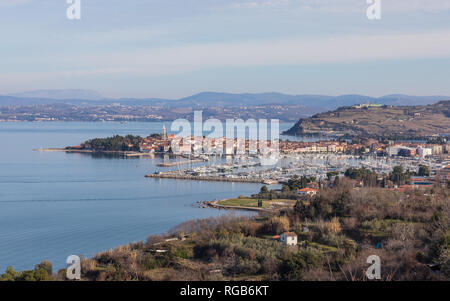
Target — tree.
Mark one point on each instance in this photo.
(332, 174)
(260, 203)
(302, 210)
(294, 265)
(115, 143)
(397, 169)
(424, 171)
(26, 276)
(42, 275)
(398, 176)
(264, 190)
(368, 177)
(298, 183)
(44, 265)
(285, 188)
(9, 275)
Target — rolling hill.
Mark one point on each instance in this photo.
(213, 99)
(378, 121)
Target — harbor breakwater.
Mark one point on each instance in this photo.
(205, 178)
(171, 164)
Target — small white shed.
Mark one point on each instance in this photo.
(289, 238)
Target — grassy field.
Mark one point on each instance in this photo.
(322, 247)
(248, 202)
(380, 228)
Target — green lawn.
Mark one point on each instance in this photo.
(248, 202)
(323, 248)
(240, 202)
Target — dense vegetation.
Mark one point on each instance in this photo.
(116, 143)
(298, 183)
(41, 272)
(337, 230)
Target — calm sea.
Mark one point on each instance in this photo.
(53, 204)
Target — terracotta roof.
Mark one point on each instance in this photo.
(290, 234)
(308, 189)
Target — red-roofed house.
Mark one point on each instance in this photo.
(308, 191)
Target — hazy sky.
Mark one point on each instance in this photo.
(174, 48)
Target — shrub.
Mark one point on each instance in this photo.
(277, 225)
(294, 265)
(248, 267)
(9, 275)
(183, 252)
(44, 265)
(333, 226)
(331, 239)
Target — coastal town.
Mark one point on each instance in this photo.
(240, 160)
(232, 160)
(312, 179)
(213, 149)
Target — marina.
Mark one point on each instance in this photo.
(248, 169)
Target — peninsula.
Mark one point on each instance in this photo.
(378, 121)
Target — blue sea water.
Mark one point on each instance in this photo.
(54, 204)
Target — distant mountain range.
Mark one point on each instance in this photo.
(329, 102)
(212, 99)
(61, 94)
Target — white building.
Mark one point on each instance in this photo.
(424, 152)
(393, 150)
(289, 238)
(437, 149)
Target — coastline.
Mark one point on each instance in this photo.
(88, 151)
(216, 205)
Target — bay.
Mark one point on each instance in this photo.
(55, 204)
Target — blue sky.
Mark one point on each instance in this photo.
(174, 48)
